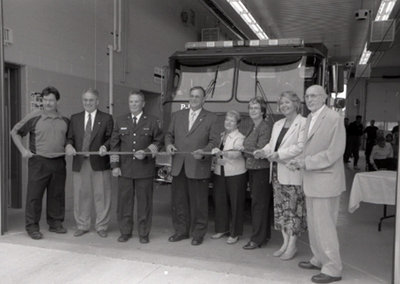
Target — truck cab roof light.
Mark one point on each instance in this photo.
(237, 43)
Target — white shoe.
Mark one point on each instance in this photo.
(232, 240)
(287, 255)
(219, 235)
(279, 252)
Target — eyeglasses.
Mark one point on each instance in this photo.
(311, 96)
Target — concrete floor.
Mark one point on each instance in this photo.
(366, 253)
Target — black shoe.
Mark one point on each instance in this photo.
(251, 245)
(177, 238)
(308, 265)
(324, 278)
(59, 230)
(124, 238)
(144, 240)
(36, 235)
(197, 241)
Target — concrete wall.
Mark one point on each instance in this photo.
(64, 44)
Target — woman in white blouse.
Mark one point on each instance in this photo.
(381, 154)
(287, 142)
(229, 181)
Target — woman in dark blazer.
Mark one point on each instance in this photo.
(261, 190)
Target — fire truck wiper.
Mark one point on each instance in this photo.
(211, 86)
(259, 87)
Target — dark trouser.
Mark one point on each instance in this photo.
(126, 201)
(368, 149)
(50, 174)
(229, 197)
(261, 202)
(354, 148)
(189, 200)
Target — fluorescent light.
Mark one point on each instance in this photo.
(385, 9)
(365, 56)
(248, 18)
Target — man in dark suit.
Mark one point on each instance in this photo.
(140, 134)
(90, 131)
(192, 131)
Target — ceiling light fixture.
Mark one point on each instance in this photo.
(365, 56)
(384, 11)
(248, 18)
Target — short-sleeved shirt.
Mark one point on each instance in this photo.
(371, 133)
(47, 133)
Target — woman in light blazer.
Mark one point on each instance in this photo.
(287, 142)
(229, 181)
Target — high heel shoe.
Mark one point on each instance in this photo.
(219, 235)
(287, 255)
(232, 240)
(279, 252)
(251, 245)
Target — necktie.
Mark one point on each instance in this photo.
(191, 120)
(134, 121)
(88, 133)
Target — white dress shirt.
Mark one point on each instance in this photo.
(137, 117)
(93, 114)
(193, 116)
(314, 116)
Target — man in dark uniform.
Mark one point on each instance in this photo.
(191, 131)
(90, 131)
(139, 133)
(354, 133)
(371, 132)
(47, 131)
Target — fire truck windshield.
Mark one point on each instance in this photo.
(269, 81)
(216, 79)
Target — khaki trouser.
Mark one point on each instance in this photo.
(92, 187)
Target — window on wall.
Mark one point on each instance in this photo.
(341, 95)
(383, 126)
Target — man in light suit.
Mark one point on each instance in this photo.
(90, 130)
(323, 182)
(192, 131)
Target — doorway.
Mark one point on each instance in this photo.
(12, 164)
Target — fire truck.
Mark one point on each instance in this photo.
(233, 72)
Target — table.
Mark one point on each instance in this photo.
(373, 187)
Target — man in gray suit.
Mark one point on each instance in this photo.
(323, 182)
(191, 131)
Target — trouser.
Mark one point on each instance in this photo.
(353, 149)
(189, 200)
(229, 198)
(50, 174)
(261, 205)
(92, 187)
(127, 188)
(321, 218)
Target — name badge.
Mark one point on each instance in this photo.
(124, 128)
(146, 128)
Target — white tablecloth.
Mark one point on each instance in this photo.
(374, 187)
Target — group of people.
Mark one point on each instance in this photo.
(380, 150)
(297, 166)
